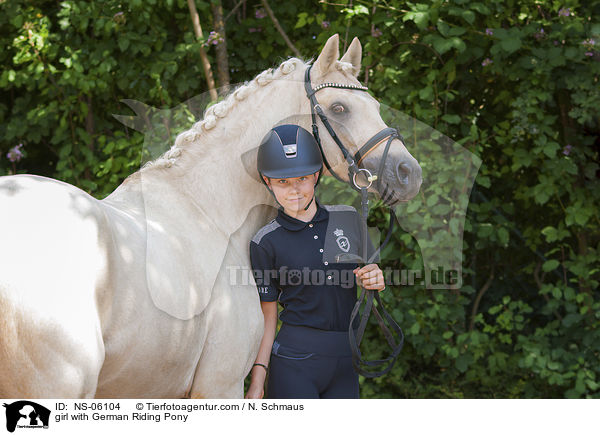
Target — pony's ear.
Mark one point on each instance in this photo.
(354, 55)
(329, 55)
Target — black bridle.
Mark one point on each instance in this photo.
(353, 171)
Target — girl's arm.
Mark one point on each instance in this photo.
(259, 374)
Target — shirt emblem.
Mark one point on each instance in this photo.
(342, 240)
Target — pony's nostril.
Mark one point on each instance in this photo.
(403, 171)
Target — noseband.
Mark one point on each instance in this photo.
(353, 171)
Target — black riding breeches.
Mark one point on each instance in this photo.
(309, 363)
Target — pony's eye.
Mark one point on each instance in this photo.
(338, 108)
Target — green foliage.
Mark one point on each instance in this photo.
(516, 83)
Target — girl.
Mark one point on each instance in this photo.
(301, 260)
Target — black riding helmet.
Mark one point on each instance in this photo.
(289, 151)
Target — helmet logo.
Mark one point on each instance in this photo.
(290, 151)
(342, 240)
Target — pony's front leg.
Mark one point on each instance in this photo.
(235, 327)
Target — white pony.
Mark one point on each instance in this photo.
(132, 296)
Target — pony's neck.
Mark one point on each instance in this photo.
(219, 169)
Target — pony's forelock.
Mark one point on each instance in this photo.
(345, 67)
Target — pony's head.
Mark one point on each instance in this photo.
(353, 115)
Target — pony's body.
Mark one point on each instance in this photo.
(78, 316)
(133, 296)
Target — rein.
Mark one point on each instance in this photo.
(353, 171)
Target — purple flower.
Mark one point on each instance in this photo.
(564, 12)
(567, 150)
(489, 32)
(589, 43)
(254, 29)
(325, 24)
(589, 53)
(486, 61)
(539, 35)
(260, 13)
(15, 154)
(214, 38)
(376, 33)
(119, 18)
(556, 42)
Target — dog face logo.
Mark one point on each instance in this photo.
(342, 240)
(26, 414)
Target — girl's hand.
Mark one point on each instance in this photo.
(370, 277)
(255, 391)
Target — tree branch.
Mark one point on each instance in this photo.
(485, 288)
(221, 48)
(235, 8)
(279, 29)
(210, 81)
(540, 281)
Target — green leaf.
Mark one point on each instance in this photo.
(503, 236)
(360, 9)
(550, 149)
(17, 21)
(441, 209)
(550, 265)
(511, 44)
(123, 44)
(550, 233)
(451, 119)
(451, 75)
(483, 180)
(432, 200)
(457, 31)
(442, 45)
(426, 93)
(556, 292)
(415, 328)
(454, 226)
(421, 19)
(443, 28)
(480, 7)
(469, 16)
(301, 20)
(356, 10)
(462, 362)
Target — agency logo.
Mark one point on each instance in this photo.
(25, 414)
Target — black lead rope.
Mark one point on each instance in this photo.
(353, 171)
(355, 339)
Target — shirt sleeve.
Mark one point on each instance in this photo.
(264, 272)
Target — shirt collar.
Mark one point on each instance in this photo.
(293, 224)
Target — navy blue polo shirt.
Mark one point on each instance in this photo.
(307, 266)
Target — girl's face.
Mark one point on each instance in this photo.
(293, 193)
